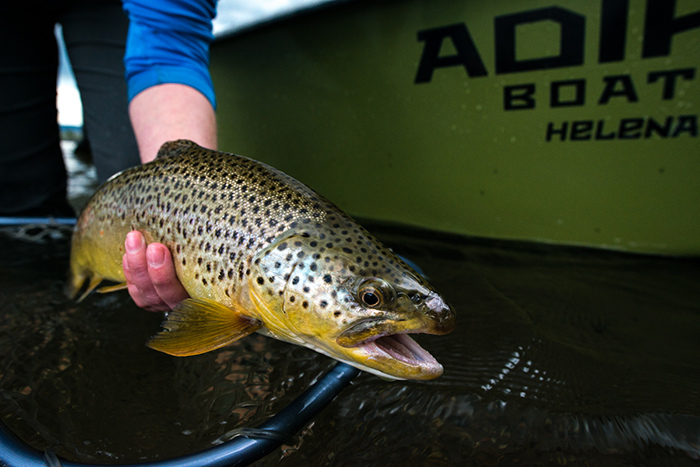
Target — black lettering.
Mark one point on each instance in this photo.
(686, 124)
(572, 40)
(627, 89)
(630, 128)
(613, 30)
(599, 135)
(519, 96)
(467, 55)
(660, 26)
(581, 130)
(654, 127)
(579, 93)
(627, 129)
(551, 131)
(669, 78)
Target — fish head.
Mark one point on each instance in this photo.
(342, 293)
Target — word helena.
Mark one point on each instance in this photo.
(626, 129)
(660, 26)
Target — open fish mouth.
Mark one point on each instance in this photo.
(383, 346)
(398, 355)
(402, 347)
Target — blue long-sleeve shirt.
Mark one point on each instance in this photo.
(168, 42)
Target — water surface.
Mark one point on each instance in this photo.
(561, 355)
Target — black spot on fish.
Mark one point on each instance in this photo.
(327, 279)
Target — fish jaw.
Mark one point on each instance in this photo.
(395, 356)
(385, 342)
(386, 346)
(311, 292)
(382, 347)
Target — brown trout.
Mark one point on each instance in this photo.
(259, 251)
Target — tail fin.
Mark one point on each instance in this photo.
(77, 280)
(74, 284)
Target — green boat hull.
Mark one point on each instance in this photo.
(565, 122)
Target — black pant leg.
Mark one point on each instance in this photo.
(95, 33)
(32, 173)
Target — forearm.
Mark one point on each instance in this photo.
(167, 72)
(168, 112)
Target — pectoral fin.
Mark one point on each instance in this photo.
(197, 326)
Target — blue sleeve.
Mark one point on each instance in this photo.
(168, 42)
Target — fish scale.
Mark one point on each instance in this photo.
(213, 206)
(259, 251)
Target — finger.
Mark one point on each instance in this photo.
(138, 280)
(161, 270)
(134, 292)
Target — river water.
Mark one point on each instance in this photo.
(564, 356)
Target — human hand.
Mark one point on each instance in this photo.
(150, 274)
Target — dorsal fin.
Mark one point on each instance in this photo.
(175, 148)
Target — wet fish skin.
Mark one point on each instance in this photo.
(259, 251)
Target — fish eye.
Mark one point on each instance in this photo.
(375, 293)
(371, 297)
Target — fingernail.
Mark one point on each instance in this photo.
(156, 257)
(134, 242)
